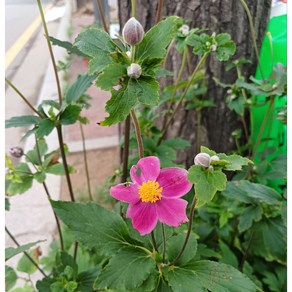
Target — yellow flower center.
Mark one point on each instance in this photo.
(150, 191)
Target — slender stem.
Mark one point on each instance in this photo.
(51, 51)
(163, 242)
(133, 51)
(271, 49)
(246, 251)
(101, 13)
(27, 255)
(24, 98)
(85, 162)
(198, 134)
(154, 241)
(138, 134)
(188, 233)
(134, 8)
(126, 149)
(61, 144)
(263, 125)
(182, 66)
(49, 196)
(253, 35)
(203, 59)
(159, 10)
(167, 53)
(75, 250)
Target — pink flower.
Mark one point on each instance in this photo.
(154, 195)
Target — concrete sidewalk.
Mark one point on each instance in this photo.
(31, 217)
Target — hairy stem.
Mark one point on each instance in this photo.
(163, 242)
(134, 8)
(27, 255)
(49, 197)
(203, 59)
(24, 98)
(85, 162)
(51, 51)
(138, 134)
(159, 11)
(188, 233)
(253, 35)
(101, 13)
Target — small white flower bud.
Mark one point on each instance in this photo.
(210, 168)
(229, 91)
(213, 34)
(233, 96)
(184, 29)
(133, 32)
(274, 86)
(202, 159)
(134, 71)
(16, 152)
(214, 158)
(129, 54)
(213, 48)
(208, 44)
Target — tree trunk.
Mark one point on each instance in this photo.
(218, 16)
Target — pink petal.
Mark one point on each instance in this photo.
(172, 211)
(147, 168)
(174, 182)
(144, 216)
(126, 193)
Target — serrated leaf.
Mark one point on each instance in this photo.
(97, 44)
(12, 251)
(40, 177)
(120, 105)
(58, 169)
(236, 161)
(22, 121)
(32, 155)
(93, 225)
(110, 76)
(208, 151)
(225, 47)
(204, 276)
(177, 143)
(249, 214)
(119, 271)
(146, 89)
(78, 88)
(174, 246)
(45, 127)
(86, 280)
(199, 43)
(237, 104)
(25, 265)
(206, 182)
(70, 114)
(228, 256)
(157, 39)
(10, 278)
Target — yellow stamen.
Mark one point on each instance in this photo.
(150, 191)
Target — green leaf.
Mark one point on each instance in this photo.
(78, 88)
(86, 280)
(166, 155)
(119, 271)
(225, 47)
(208, 151)
(228, 256)
(44, 285)
(204, 276)
(12, 251)
(40, 177)
(7, 204)
(45, 127)
(10, 278)
(58, 169)
(97, 44)
(110, 76)
(93, 225)
(120, 105)
(70, 114)
(277, 280)
(206, 182)
(174, 246)
(236, 161)
(25, 265)
(67, 45)
(157, 39)
(25, 288)
(177, 143)
(22, 121)
(200, 43)
(237, 104)
(249, 214)
(32, 155)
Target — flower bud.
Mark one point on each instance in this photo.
(214, 158)
(202, 159)
(16, 152)
(133, 32)
(129, 54)
(229, 91)
(213, 48)
(184, 29)
(134, 71)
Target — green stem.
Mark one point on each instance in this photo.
(134, 8)
(198, 135)
(85, 162)
(163, 242)
(159, 10)
(27, 255)
(271, 49)
(154, 241)
(101, 13)
(253, 35)
(167, 53)
(49, 196)
(188, 232)
(24, 98)
(203, 59)
(51, 51)
(138, 134)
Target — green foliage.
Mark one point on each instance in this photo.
(70, 114)
(225, 47)
(25, 265)
(22, 121)
(10, 278)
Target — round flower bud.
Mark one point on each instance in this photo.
(214, 48)
(214, 158)
(202, 159)
(134, 71)
(229, 91)
(184, 29)
(133, 32)
(274, 86)
(16, 152)
(129, 54)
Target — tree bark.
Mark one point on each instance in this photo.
(217, 16)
